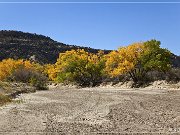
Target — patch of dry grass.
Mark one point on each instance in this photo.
(9, 90)
(5, 87)
(4, 99)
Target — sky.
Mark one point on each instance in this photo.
(96, 25)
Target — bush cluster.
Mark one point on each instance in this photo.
(173, 75)
(32, 77)
(23, 71)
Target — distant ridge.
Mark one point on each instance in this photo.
(21, 45)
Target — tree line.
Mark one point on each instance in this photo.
(134, 61)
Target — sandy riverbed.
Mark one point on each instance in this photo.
(93, 111)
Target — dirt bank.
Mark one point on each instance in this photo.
(92, 111)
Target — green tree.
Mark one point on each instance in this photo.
(155, 57)
(137, 59)
(80, 66)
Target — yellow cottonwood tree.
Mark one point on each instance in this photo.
(137, 59)
(8, 66)
(51, 71)
(124, 60)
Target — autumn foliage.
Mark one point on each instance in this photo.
(8, 66)
(22, 71)
(77, 66)
(124, 59)
(89, 69)
(137, 59)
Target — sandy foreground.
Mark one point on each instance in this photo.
(93, 111)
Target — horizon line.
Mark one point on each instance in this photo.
(78, 2)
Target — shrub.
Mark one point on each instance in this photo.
(35, 78)
(21, 75)
(173, 75)
(38, 80)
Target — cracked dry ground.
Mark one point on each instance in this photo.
(93, 111)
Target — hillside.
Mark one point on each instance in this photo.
(21, 45)
(175, 60)
(17, 44)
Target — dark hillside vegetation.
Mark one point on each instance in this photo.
(175, 60)
(20, 45)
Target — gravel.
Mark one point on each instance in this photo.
(72, 111)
